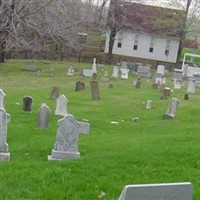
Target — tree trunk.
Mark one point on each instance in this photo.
(111, 44)
(2, 51)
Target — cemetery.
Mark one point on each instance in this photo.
(98, 132)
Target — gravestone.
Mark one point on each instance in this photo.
(186, 97)
(138, 83)
(177, 75)
(88, 72)
(124, 73)
(162, 191)
(95, 89)
(158, 79)
(4, 120)
(155, 86)
(79, 86)
(55, 92)
(166, 92)
(2, 95)
(115, 73)
(27, 103)
(143, 71)
(66, 146)
(30, 68)
(160, 70)
(51, 72)
(70, 71)
(191, 87)
(43, 117)
(61, 105)
(38, 73)
(149, 104)
(177, 84)
(105, 76)
(171, 110)
(94, 66)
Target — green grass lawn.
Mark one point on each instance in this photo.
(152, 150)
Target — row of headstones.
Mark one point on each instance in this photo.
(66, 146)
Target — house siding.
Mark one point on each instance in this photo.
(144, 41)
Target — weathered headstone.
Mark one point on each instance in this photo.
(31, 68)
(171, 110)
(143, 71)
(105, 76)
(27, 103)
(186, 97)
(124, 73)
(4, 120)
(95, 88)
(79, 86)
(160, 70)
(149, 104)
(66, 146)
(155, 86)
(177, 84)
(166, 92)
(61, 105)
(70, 71)
(55, 92)
(115, 73)
(51, 72)
(138, 83)
(94, 66)
(162, 191)
(191, 87)
(88, 72)
(2, 95)
(43, 116)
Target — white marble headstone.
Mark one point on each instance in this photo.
(191, 87)
(61, 105)
(66, 146)
(124, 73)
(162, 191)
(115, 73)
(94, 66)
(4, 120)
(2, 95)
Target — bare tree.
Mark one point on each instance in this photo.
(32, 24)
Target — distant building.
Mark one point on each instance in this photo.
(146, 32)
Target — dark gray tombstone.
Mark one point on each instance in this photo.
(4, 120)
(138, 83)
(55, 92)
(43, 117)
(27, 103)
(66, 146)
(80, 86)
(186, 97)
(95, 88)
(163, 191)
(166, 92)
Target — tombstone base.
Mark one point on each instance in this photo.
(62, 155)
(4, 156)
(168, 117)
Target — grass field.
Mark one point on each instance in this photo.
(152, 150)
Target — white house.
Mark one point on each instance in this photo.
(146, 33)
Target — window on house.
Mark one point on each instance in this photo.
(135, 46)
(167, 47)
(120, 36)
(151, 45)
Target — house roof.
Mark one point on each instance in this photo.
(145, 18)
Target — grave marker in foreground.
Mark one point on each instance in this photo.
(163, 191)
